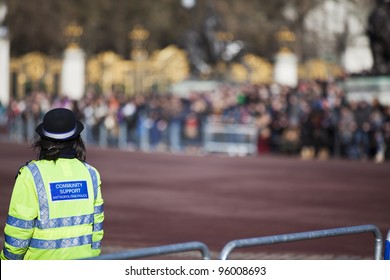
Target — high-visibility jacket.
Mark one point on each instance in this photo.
(56, 212)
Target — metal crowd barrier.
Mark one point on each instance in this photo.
(217, 137)
(387, 247)
(283, 238)
(159, 250)
(232, 139)
(249, 242)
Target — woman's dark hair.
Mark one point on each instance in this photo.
(50, 150)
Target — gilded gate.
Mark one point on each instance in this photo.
(34, 71)
(109, 71)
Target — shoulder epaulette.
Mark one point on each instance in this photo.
(20, 168)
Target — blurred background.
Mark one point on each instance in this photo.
(323, 29)
(302, 78)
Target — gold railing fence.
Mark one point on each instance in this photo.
(109, 71)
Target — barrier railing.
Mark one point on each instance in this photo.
(387, 247)
(249, 242)
(232, 139)
(283, 238)
(159, 250)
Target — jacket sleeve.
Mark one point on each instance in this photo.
(22, 217)
(98, 232)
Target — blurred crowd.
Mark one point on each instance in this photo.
(313, 120)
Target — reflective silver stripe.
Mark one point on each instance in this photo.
(16, 242)
(53, 223)
(59, 136)
(96, 245)
(12, 256)
(20, 223)
(99, 209)
(94, 179)
(98, 226)
(42, 197)
(61, 243)
(66, 222)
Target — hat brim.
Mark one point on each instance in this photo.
(79, 129)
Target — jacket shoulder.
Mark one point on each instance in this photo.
(20, 170)
(89, 166)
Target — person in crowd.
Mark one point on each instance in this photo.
(56, 208)
(328, 124)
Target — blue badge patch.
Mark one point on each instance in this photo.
(69, 190)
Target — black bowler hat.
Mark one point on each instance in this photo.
(59, 125)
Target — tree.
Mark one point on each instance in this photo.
(39, 24)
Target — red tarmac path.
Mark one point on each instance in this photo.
(154, 199)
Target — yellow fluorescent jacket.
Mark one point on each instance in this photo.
(55, 213)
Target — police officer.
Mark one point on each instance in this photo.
(56, 208)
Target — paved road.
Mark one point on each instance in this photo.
(158, 199)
